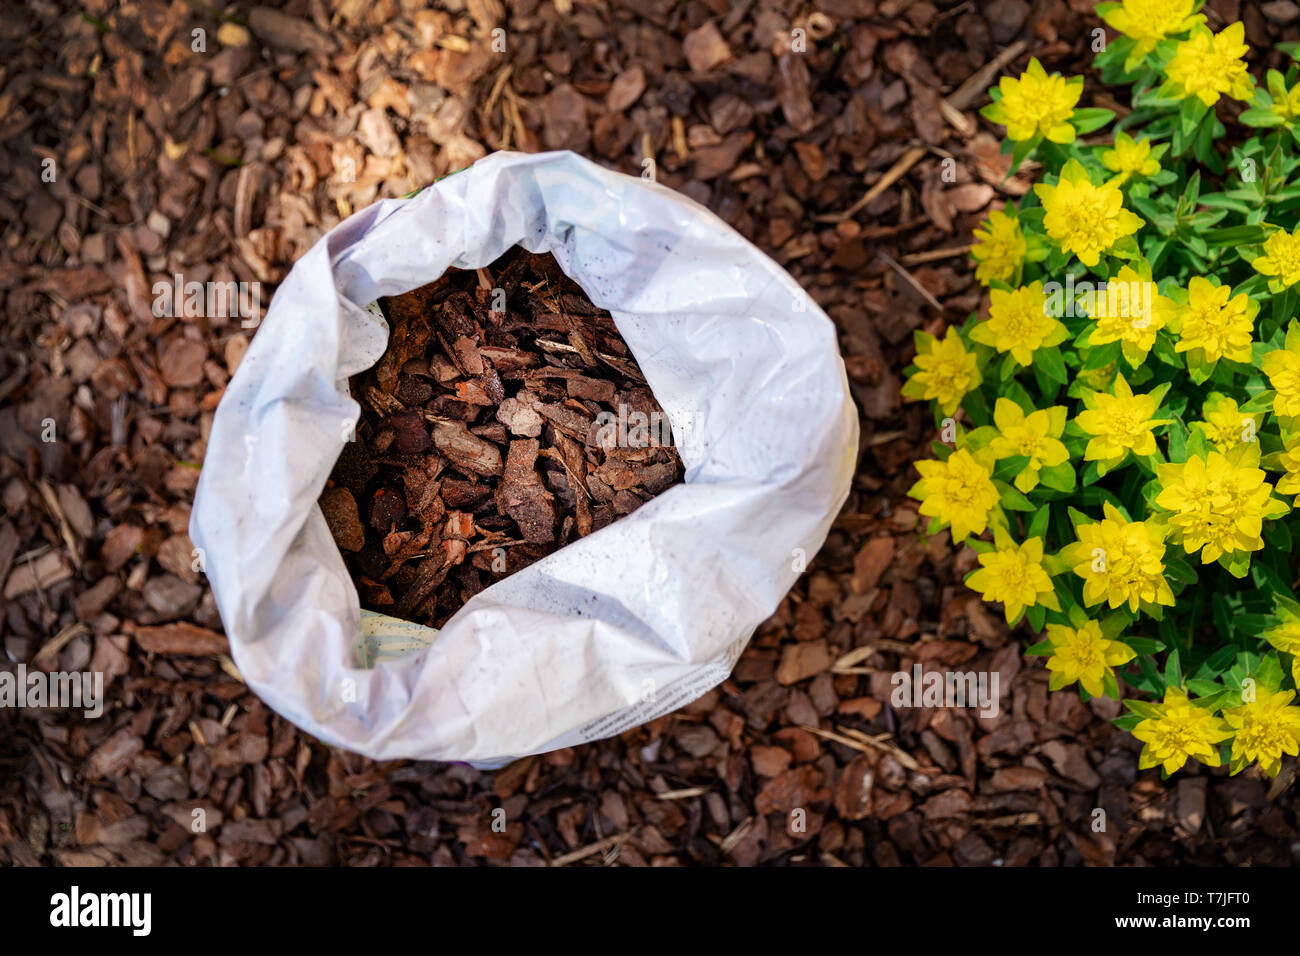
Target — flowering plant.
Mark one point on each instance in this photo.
(1120, 435)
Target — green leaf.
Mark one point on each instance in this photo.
(1187, 202)
(1008, 468)
(1270, 671)
(1008, 368)
(1020, 153)
(1077, 517)
(1235, 236)
(1012, 499)
(1052, 364)
(1203, 688)
(1178, 570)
(1091, 473)
(1221, 201)
(1088, 119)
(1191, 113)
(1144, 646)
(1144, 709)
(1173, 670)
(1101, 356)
(1277, 534)
(1078, 616)
(1218, 662)
(1038, 524)
(1058, 477)
(1177, 434)
(1267, 578)
(1216, 700)
(1255, 624)
(1237, 563)
(1258, 118)
(1262, 402)
(1154, 682)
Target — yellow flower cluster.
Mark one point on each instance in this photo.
(1057, 386)
(1209, 65)
(1037, 104)
(1082, 218)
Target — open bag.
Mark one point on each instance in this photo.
(614, 629)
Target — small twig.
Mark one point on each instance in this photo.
(840, 739)
(892, 175)
(60, 641)
(934, 255)
(599, 846)
(735, 836)
(883, 741)
(682, 794)
(907, 277)
(955, 117)
(65, 528)
(853, 658)
(979, 81)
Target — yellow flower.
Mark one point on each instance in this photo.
(1289, 462)
(1085, 655)
(999, 248)
(1013, 574)
(1018, 323)
(1130, 158)
(1281, 260)
(1286, 103)
(1286, 638)
(1226, 426)
(1147, 22)
(958, 492)
(1282, 366)
(1036, 435)
(1215, 324)
(1119, 423)
(1219, 503)
(1129, 310)
(1207, 65)
(1181, 730)
(1120, 561)
(1266, 728)
(945, 371)
(1084, 219)
(1037, 103)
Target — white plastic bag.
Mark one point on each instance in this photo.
(614, 629)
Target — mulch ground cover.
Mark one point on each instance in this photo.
(842, 137)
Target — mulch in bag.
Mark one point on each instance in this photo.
(616, 627)
(506, 418)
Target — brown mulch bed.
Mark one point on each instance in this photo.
(230, 162)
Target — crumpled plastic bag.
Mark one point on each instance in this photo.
(612, 630)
